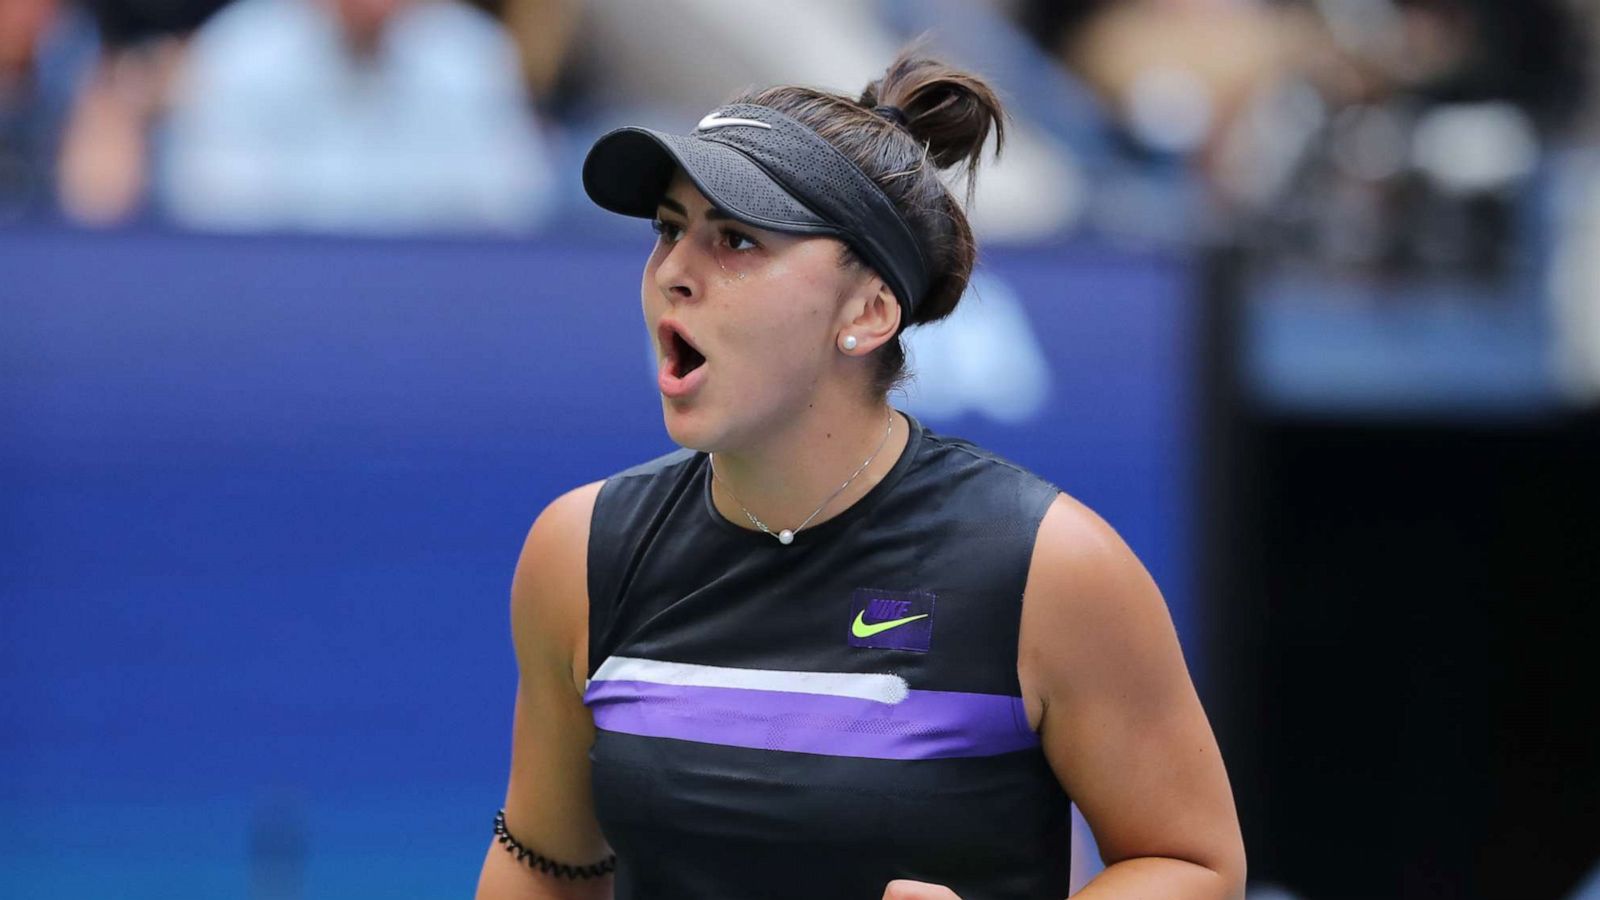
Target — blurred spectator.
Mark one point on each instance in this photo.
(544, 31)
(105, 151)
(46, 49)
(353, 115)
(1417, 139)
(1392, 137)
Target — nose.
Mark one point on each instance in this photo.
(676, 276)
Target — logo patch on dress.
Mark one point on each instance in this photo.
(893, 620)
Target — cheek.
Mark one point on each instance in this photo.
(807, 309)
(779, 323)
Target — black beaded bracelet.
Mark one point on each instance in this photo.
(545, 864)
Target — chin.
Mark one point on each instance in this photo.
(686, 427)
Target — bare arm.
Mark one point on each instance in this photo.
(1123, 728)
(548, 802)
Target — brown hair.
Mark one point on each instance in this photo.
(949, 115)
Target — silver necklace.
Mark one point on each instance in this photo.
(786, 536)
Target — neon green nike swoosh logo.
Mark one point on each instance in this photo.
(862, 629)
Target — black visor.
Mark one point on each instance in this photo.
(767, 170)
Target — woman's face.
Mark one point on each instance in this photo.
(745, 321)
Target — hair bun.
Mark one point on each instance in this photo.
(949, 110)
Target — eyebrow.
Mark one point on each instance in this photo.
(713, 213)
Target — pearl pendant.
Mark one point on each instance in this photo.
(786, 536)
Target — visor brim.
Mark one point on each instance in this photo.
(627, 172)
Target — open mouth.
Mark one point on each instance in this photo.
(682, 355)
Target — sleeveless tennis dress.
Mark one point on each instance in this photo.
(812, 721)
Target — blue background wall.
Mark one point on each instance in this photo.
(260, 500)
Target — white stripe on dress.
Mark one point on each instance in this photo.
(881, 688)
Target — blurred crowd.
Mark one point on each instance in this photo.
(1390, 133)
(346, 115)
(1388, 138)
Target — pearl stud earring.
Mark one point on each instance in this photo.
(849, 342)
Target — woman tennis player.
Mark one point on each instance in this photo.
(823, 652)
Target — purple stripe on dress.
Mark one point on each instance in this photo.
(926, 725)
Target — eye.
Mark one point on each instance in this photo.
(667, 231)
(738, 240)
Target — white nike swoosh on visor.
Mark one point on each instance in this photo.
(714, 121)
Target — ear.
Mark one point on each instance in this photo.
(871, 315)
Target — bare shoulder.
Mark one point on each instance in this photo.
(1074, 541)
(1088, 601)
(1120, 721)
(548, 805)
(549, 592)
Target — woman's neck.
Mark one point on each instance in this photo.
(786, 478)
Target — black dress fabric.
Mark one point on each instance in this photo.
(814, 720)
